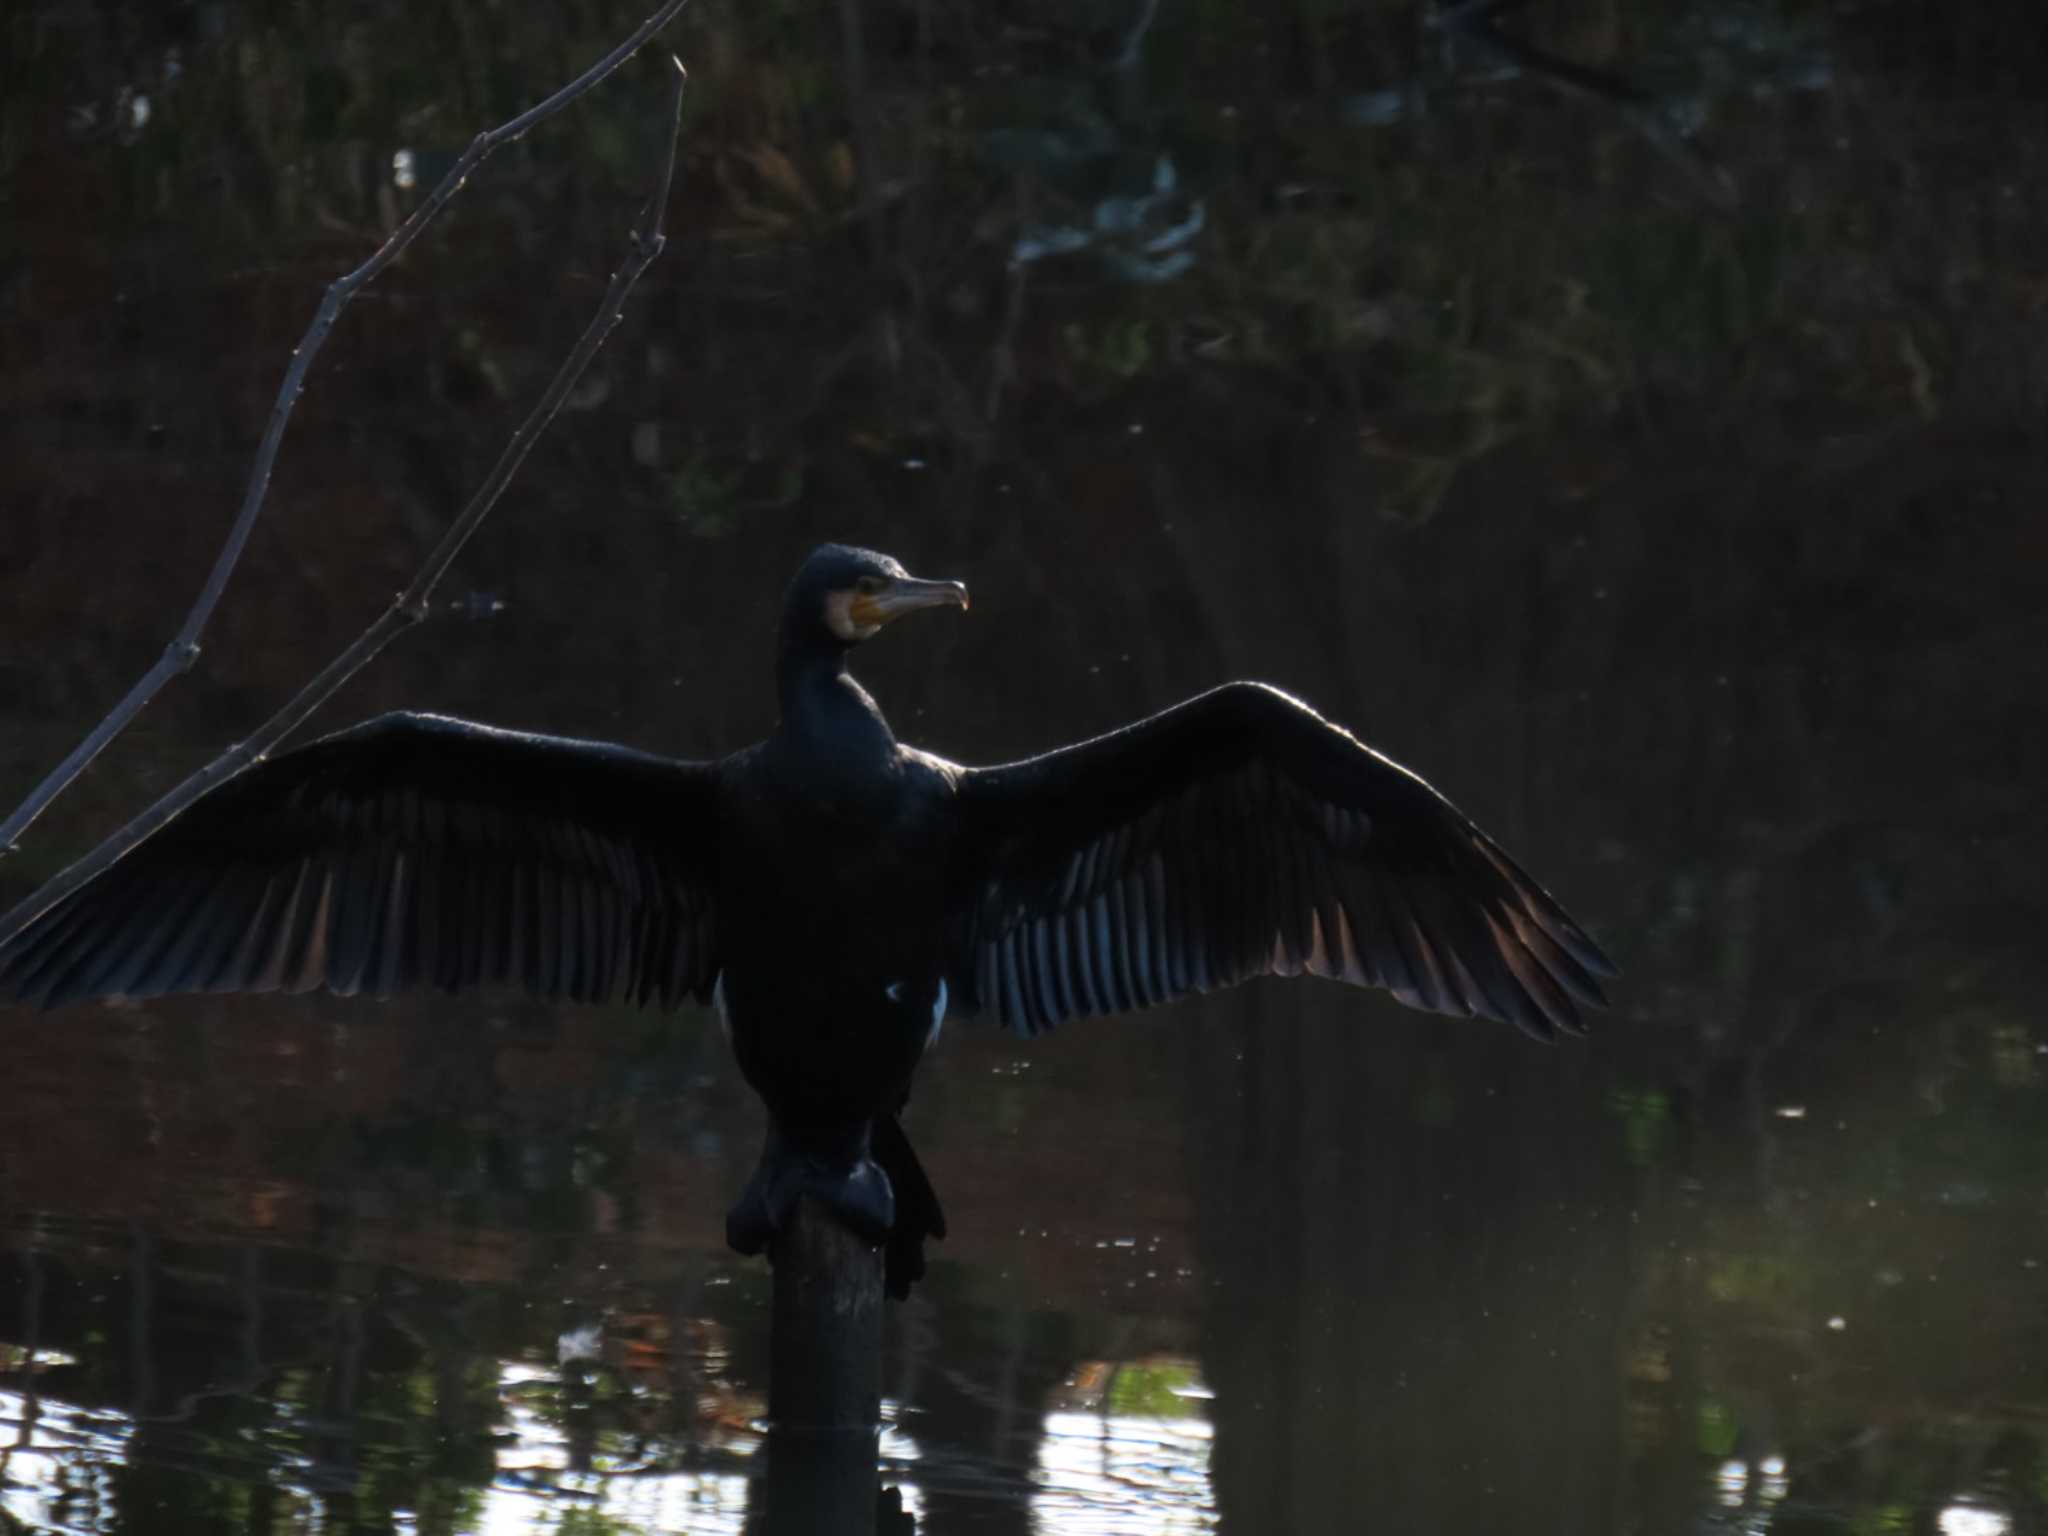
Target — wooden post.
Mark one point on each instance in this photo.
(824, 1379)
(825, 1356)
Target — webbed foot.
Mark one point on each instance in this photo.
(856, 1192)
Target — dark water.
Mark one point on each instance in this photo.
(1652, 459)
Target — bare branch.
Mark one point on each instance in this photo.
(183, 650)
(411, 605)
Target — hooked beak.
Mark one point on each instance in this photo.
(904, 595)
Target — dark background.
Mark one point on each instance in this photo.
(1657, 467)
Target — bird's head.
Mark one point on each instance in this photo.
(848, 594)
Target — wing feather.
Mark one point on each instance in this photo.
(1239, 835)
(412, 851)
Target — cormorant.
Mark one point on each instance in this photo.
(836, 893)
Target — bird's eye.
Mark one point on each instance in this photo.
(869, 585)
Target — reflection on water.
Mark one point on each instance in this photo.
(1646, 448)
(55, 1472)
(541, 1469)
(1972, 1520)
(1123, 1472)
(1125, 1446)
(617, 1433)
(1749, 1495)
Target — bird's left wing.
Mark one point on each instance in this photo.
(411, 851)
(1237, 835)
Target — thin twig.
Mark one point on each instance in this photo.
(183, 650)
(411, 605)
(1132, 50)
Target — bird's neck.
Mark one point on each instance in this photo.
(825, 711)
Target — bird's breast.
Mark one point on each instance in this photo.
(832, 933)
(828, 1047)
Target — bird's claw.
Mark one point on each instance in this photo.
(858, 1194)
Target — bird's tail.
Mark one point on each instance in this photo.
(917, 1208)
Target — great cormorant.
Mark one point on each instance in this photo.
(835, 892)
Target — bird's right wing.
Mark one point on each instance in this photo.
(1236, 835)
(411, 851)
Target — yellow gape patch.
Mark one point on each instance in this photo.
(851, 616)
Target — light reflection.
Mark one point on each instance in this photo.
(15, 1357)
(714, 1504)
(1126, 1448)
(1732, 1479)
(900, 1453)
(55, 1467)
(535, 1481)
(1775, 1482)
(1753, 1489)
(403, 175)
(585, 1343)
(1973, 1520)
(1122, 1473)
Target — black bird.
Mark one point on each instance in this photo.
(835, 892)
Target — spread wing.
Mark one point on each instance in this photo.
(1236, 835)
(411, 851)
